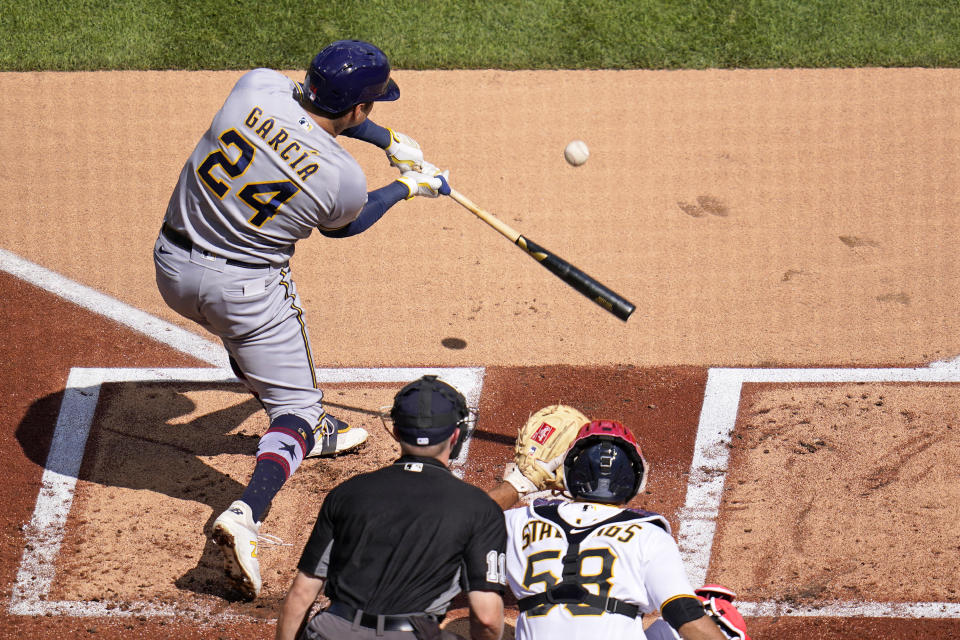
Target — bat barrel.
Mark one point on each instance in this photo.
(585, 284)
(579, 280)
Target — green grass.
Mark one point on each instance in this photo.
(465, 34)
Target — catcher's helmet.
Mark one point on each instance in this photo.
(347, 73)
(604, 464)
(426, 412)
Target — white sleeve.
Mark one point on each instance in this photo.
(515, 560)
(663, 571)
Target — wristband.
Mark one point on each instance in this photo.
(520, 482)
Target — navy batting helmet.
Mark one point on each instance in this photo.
(604, 464)
(348, 73)
(427, 411)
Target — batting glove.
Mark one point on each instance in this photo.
(423, 184)
(403, 152)
(430, 169)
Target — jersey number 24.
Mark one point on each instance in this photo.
(263, 197)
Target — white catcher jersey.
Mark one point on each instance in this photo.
(263, 176)
(626, 555)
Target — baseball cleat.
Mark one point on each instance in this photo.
(236, 534)
(334, 436)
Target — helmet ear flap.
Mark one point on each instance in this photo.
(455, 452)
(644, 473)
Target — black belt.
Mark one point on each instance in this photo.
(186, 244)
(369, 620)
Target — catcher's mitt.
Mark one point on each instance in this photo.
(542, 443)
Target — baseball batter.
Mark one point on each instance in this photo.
(267, 173)
(591, 568)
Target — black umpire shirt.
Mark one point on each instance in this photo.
(406, 539)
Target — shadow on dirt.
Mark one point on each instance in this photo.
(153, 437)
(150, 437)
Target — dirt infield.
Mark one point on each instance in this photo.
(763, 220)
(887, 449)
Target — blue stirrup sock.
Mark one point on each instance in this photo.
(280, 451)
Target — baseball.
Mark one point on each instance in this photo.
(576, 152)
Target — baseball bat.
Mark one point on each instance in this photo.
(585, 284)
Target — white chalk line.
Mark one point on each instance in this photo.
(83, 296)
(45, 532)
(708, 470)
(852, 609)
(46, 528)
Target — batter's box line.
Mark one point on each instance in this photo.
(852, 609)
(708, 472)
(45, 532)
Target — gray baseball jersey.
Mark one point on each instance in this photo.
(263, 176)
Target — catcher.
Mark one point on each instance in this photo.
(590, 567)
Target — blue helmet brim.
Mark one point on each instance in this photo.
(392, 93)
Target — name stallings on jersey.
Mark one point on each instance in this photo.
(537, 530)
(292, 153)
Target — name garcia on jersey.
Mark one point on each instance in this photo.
(293, 152)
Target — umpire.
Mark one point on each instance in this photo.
(394, 546)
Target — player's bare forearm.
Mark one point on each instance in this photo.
(701, 629)
(504, 494)
(486, 615)
(296, 606)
